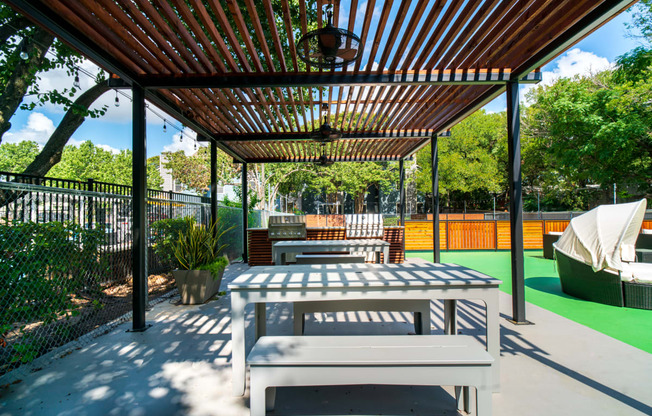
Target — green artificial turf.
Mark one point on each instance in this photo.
(542, 288)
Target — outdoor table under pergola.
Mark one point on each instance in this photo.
(220, 69)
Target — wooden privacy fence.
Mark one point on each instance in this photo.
(480, 234)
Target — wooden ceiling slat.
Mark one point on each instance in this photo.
(394, 32)
(303, 17)
(102, 37)
(426, 27)
(159, 25)
(145, 25)
(352, 15)
(406, 36)
(440, 29)
(205, 44)
(382, 22)
(457, 26)
(177, 26)
(209, 25)
(473, 30)
(563, 17)
(198, 100)
(525, 17)
(287, 19)
(124, 20)
(501, 28)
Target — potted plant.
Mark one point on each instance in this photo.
(201, 266)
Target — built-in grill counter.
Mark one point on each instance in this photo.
(322, 227)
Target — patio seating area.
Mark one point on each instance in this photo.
(181, 365)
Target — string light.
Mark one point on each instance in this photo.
(180, 138)
(195, 145)
(23, 52)
(117, 100)
(76, 83)
(165, 128)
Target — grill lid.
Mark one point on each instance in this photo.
(286, 227)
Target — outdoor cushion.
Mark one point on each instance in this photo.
(637, 272)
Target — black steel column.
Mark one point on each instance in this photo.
(515, 202)
(213, 183)
(434, 157)
(245, 212)
(401, 186)
(139, 209)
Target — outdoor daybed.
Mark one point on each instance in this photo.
(596, 254)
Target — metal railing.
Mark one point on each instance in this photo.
(66, 257)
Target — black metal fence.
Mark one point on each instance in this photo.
(66, 258)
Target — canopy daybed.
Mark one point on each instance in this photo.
(596, 257)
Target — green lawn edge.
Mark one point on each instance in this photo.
(542, 288)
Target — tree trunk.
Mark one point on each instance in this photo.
(358, 202)
(23, 75)
(51, 153)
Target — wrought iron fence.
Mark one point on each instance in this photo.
(66, 258)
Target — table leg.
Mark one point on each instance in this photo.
(493, 336)
(386, 255)
(450, 317)
(261, 319)
(238, 364)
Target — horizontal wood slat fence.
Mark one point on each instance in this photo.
(481, 234)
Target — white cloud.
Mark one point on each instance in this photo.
(108, 148)
(39, 128)
(571, 63)
(187, 144)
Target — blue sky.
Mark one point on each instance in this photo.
(113, 131)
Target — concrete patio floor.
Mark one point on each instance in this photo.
(181, 366)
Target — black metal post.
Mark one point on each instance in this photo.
(90, 207)
(245, 211)
(213, 183)
(515, 202)
(139, 209)
(401, 184)
(435, 199)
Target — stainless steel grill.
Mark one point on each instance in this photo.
(364, 225)
(286, 227)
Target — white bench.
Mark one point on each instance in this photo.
(426, 360)
(420, 308)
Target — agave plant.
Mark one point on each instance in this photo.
(199, 245)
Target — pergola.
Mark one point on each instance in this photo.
(229, 70)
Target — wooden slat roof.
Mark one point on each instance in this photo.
(221, 67)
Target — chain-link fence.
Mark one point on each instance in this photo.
(66, 257)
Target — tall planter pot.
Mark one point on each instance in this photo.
(196, 286)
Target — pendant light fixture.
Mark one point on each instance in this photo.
(329, 47)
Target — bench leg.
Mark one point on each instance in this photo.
(463, 398)
(298, 321)
(270, 398)
(260, 319)
(483, 401)
(450, 317)
(257, 395)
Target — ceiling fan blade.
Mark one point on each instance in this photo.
(347, 54)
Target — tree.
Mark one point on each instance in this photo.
(14, 157)
(194, 171)
(92, 162)
(593, 130)
(472, 161)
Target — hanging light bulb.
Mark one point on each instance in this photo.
(76, 83)
(165, 128)
(180, 138)
(23, 52)
(195, 145)
(117, 100)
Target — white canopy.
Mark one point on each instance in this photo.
(605, 236)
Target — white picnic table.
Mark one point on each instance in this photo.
(431, 281)
(281, 248)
